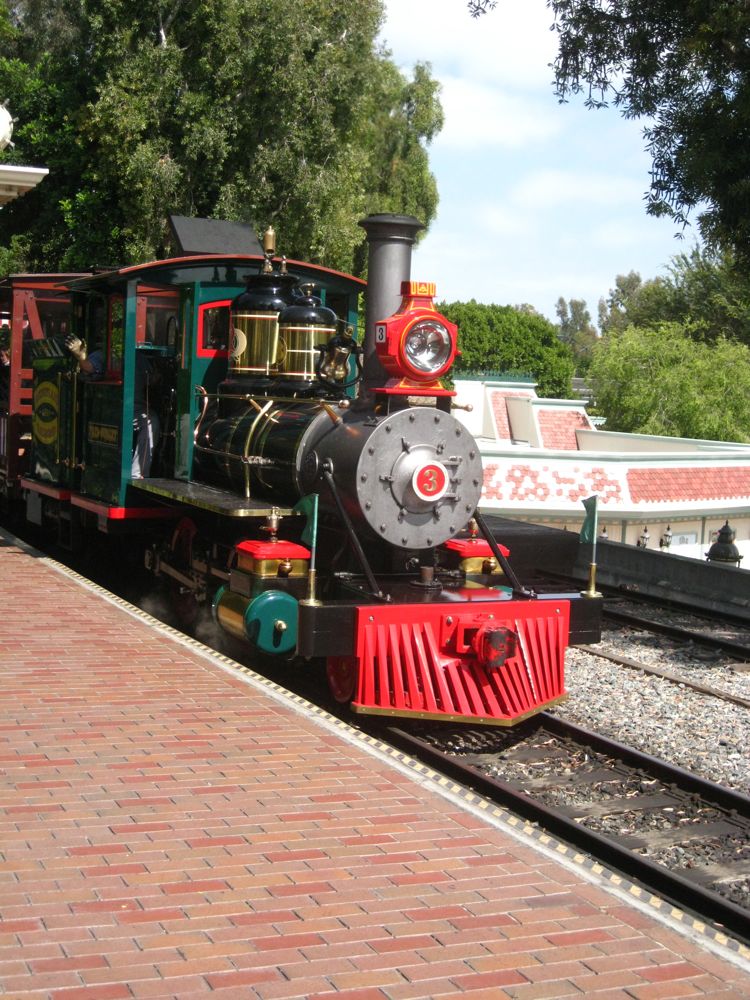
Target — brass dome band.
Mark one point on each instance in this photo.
(261, 345)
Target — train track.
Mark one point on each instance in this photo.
(738, 649)
(731, 622)
(669, 675)
(715, 650)
(678, 835)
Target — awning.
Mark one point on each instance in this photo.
(15, 181)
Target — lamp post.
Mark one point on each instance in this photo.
(724, 550)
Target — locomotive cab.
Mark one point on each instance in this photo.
(162, 338)
(84, 409)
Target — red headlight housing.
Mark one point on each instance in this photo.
(417, 344)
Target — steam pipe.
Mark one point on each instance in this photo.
(390, 238)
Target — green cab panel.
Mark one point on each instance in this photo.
(102, 440)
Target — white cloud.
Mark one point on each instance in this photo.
(551, 187)
(479, 116)
(511, 45)
(537, 200)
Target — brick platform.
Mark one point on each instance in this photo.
(168, 829)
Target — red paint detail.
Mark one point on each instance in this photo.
(412, 290)
(477, 594)
(273, 550)
(477, 548)
(391, 333)
(341, 672)
(97, 506)
(122, 513)
(209, 352)
(198, 260)
(430, 481)
(405, 388)
(416, 659)
(494, 645)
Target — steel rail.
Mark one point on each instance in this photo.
(738, 649)
(727, 798)
(667, 675)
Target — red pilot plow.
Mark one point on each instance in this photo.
(493, 664)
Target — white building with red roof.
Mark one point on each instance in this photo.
(543, 457)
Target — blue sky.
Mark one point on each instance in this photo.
(537, 199)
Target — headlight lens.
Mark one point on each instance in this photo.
(427, 346)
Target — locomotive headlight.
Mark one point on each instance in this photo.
(417, 344)
(427, 347)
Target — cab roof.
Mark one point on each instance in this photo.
(182, 270)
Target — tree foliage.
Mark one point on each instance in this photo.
(674, 356)
(477, 7)
(710, 295)
(684, 65)
(706, 292)
(576, 330)
(661, 381)
(634, 302)
(506, 340)
(287, 115)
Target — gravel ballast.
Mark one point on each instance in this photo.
(698, 732)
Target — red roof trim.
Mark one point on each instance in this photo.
(689, 483)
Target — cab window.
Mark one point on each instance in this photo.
(213, 329)
(156, 320)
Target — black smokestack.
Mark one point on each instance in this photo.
(390, 238)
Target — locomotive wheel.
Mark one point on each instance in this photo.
(183, 601)
(342, 673)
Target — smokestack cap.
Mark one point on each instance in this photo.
(390, 224)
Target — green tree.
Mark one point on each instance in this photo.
(14, 258)
(634, 302)
(710, 295)
(477, 7)
(576, 330)
(511, 341)
(220, 108)
(661, 381)
(685, 68)
(6, 28)
(705, 291)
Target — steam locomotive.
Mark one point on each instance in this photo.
(311, 487)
